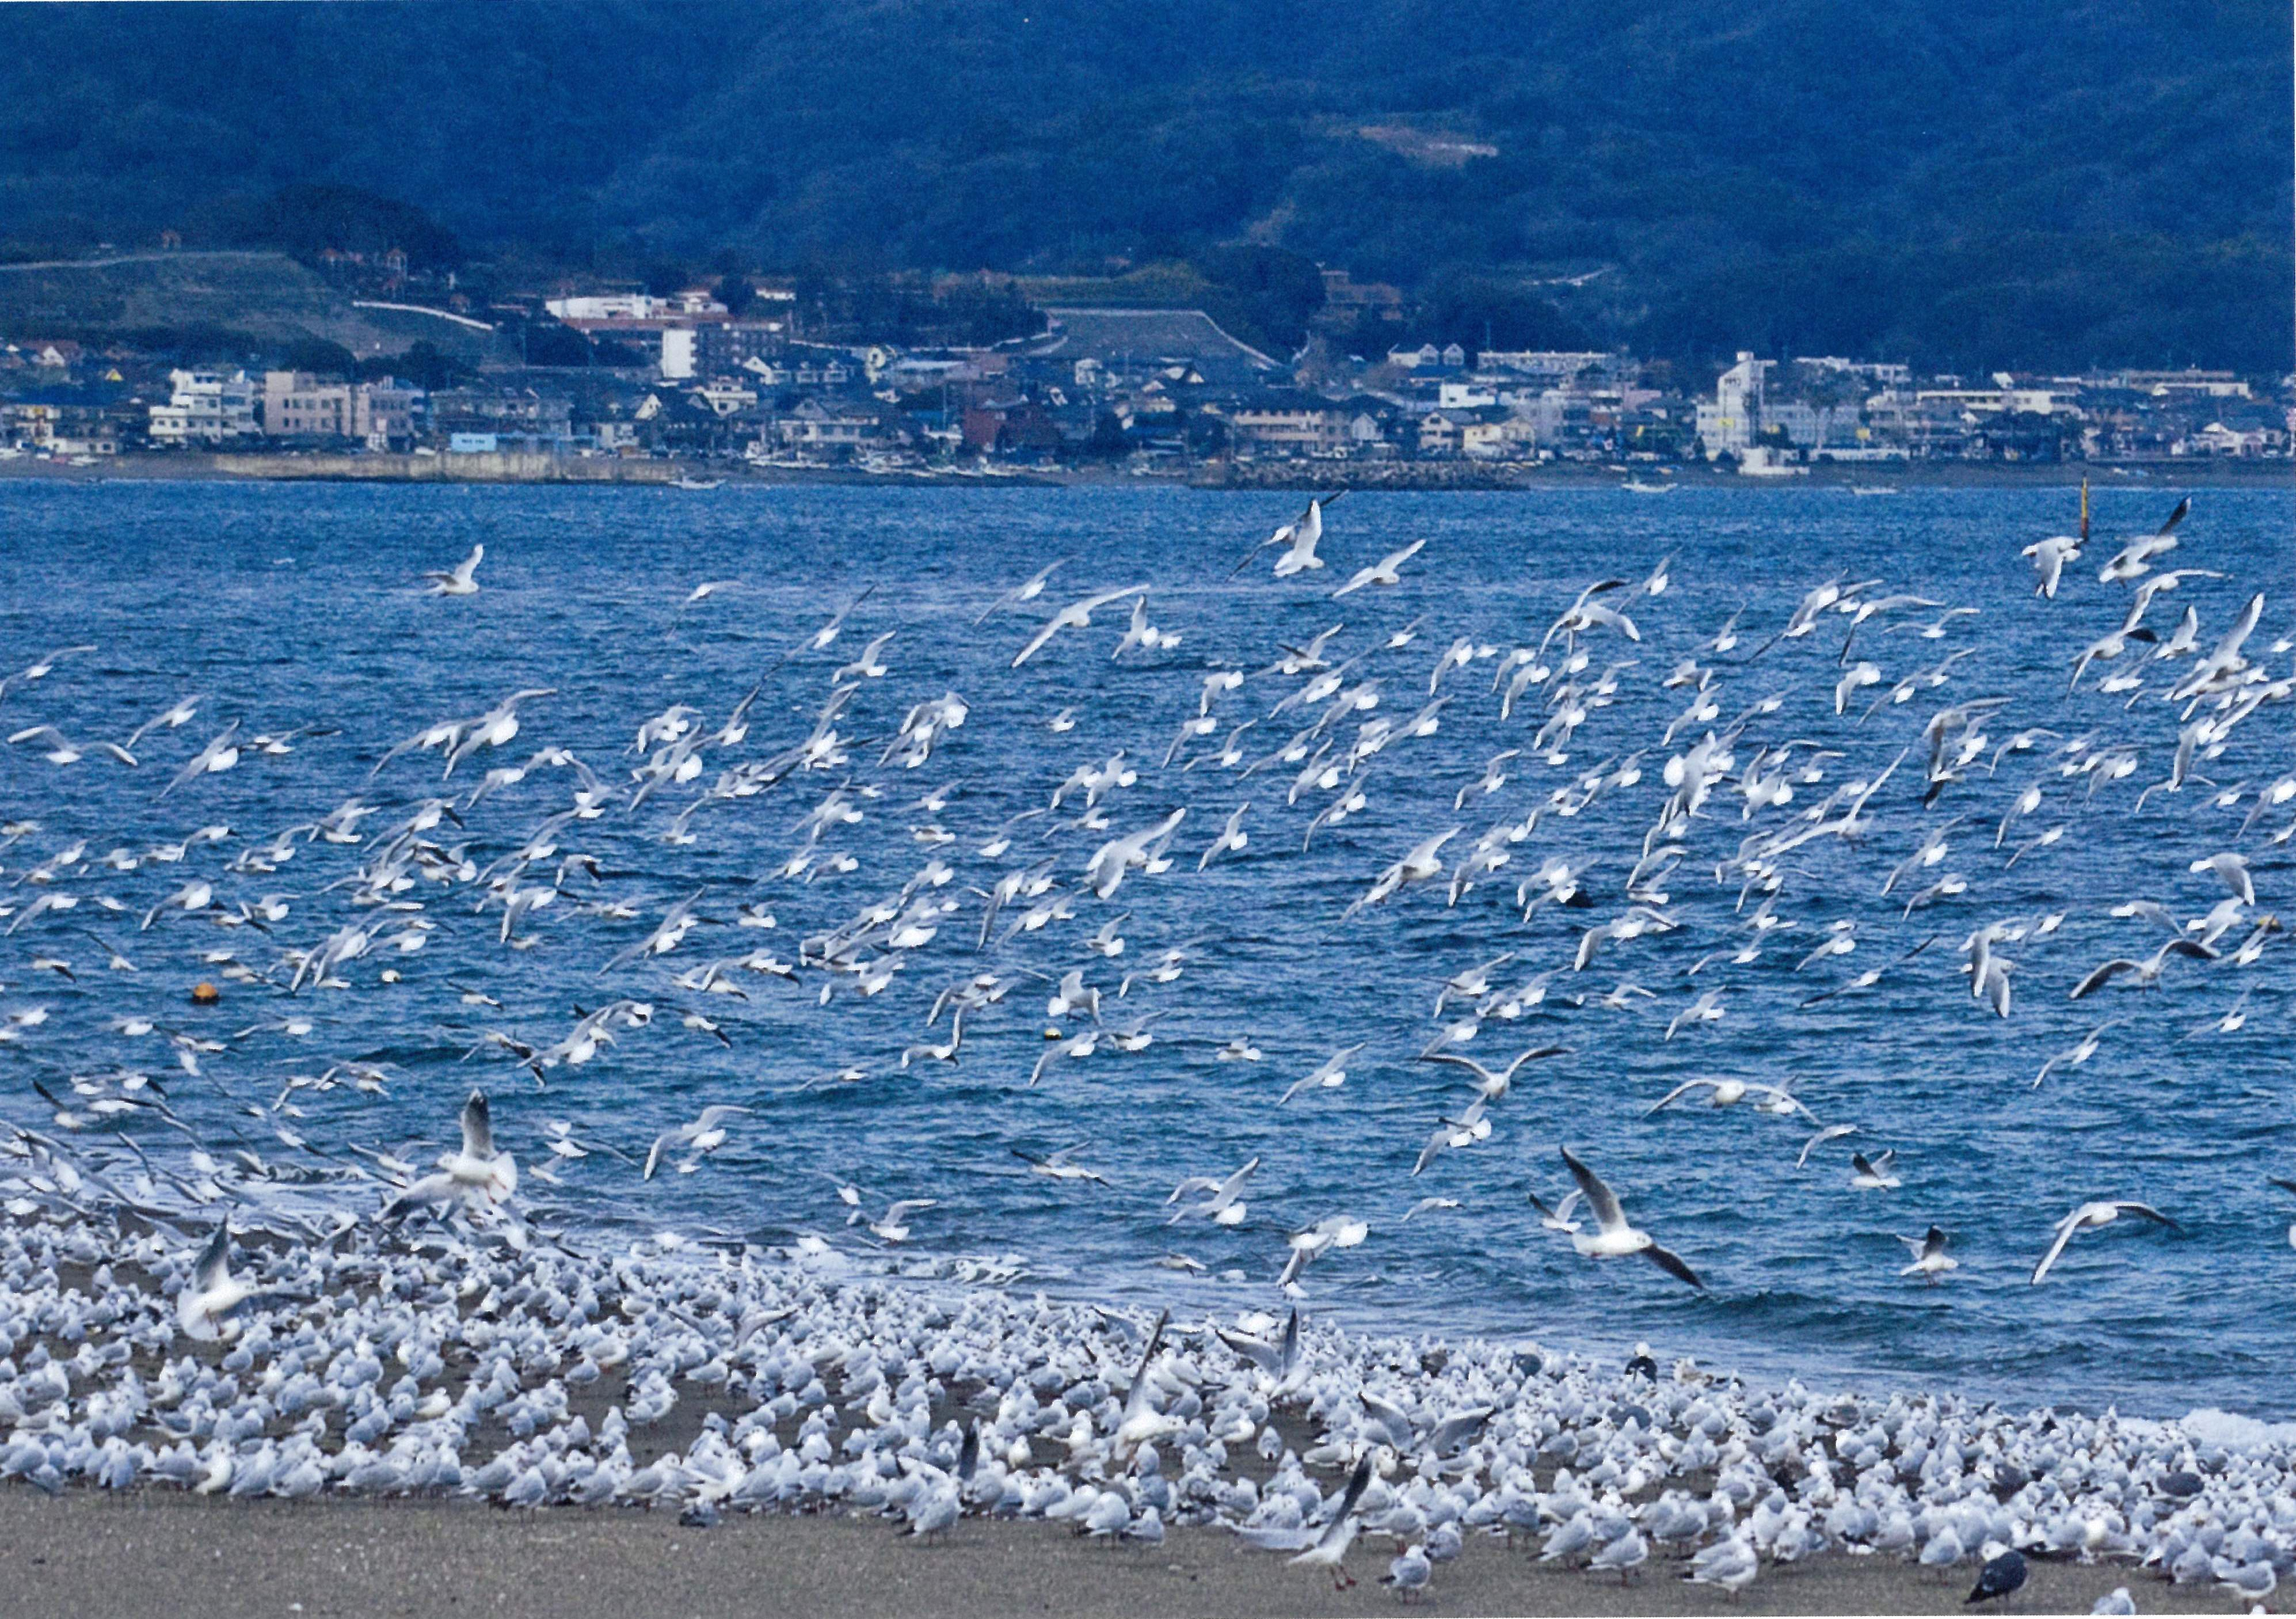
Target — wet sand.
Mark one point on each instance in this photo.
(156, 1552)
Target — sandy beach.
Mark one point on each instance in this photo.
(153, 1551)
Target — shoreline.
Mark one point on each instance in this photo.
(460, 1417)
(154, 1551)
(1416, 478)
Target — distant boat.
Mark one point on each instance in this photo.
(1872, 488)
(1638, 487)
(690, 483)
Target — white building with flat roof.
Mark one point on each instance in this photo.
(1732, 419)
(1551, 367)
(608, 306)
(1883, 373)
(206, 408)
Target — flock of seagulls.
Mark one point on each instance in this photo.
(181, 1196)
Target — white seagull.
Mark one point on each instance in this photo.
(1302, 535)
(1930, 1260)
(703, 1135)
(1381, 573)
(462, 579)
(478, 1177)
(1616, 1237)
(213, 1292)
(1076, 615)
(2089, 1217)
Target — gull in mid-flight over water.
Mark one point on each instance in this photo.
(1615, 1238)
(462, 579)
(2089, 1217)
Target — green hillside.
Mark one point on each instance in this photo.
(2043, 182)
(220, 301)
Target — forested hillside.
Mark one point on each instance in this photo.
(2032, 182)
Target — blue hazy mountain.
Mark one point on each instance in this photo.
(2030, 182)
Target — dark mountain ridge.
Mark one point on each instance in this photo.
(2044, 183)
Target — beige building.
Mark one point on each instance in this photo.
(1302, 427)
(297, 404)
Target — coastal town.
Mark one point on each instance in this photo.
(732, 377)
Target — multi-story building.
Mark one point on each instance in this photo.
(2006, 398)
(612, 307)
(506, 410)
(1542, 367)
(712, 348)
(206, 408)
(1731, 420)
(1881, 374)
(2166, 384)
(50, 427)
(1296, 424)
(820, 427)
(726, 399)
(378, 414)
(32, 424)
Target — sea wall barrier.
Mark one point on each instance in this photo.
(491, 466)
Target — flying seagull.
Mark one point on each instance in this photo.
(1616, 1237)
(462, 579)
(2089, 1217)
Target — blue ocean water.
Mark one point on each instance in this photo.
(289, 607)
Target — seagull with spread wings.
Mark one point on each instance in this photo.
(1076, 615)
(1614, 1237)
(2089, 1217)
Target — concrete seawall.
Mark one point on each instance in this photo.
(491, 467)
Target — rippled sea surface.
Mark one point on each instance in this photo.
(284, 608)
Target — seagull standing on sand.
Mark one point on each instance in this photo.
(1330, 1549)
(2002, 1575)
(1408, 1574)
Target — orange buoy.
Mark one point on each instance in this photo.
(205, 995)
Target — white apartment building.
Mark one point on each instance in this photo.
(1732, 419)
(1548, 367)
(1882, 374)
(609, 306)
(206, 408)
